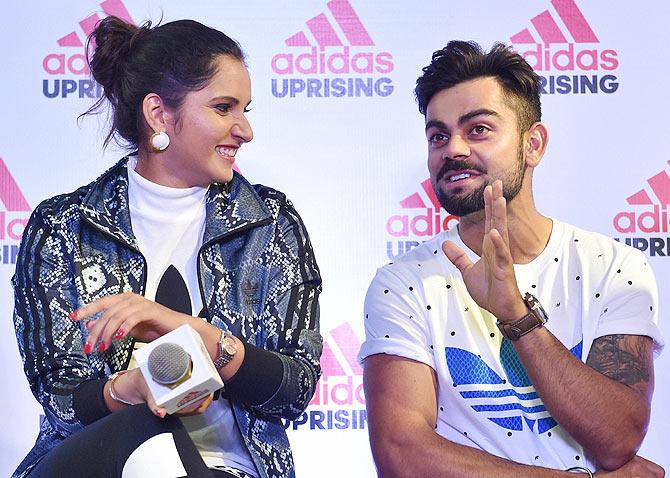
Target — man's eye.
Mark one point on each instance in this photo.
(480, 129)
(437, 138)
(223, 108)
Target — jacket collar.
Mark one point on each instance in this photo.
(230, 208)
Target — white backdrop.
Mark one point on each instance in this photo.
(337, 129)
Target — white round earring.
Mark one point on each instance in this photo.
(159, 141)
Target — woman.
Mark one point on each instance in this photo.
(168, 236)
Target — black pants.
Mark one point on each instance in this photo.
(101, 449)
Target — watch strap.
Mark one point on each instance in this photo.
(533, 319)
(226, 348)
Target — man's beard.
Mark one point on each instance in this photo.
(464, 204)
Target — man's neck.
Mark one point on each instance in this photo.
(528, 230)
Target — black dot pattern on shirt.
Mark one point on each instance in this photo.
(411, 288)
(386, 336)
(549, 434)
(555, 259)
(651, 307)
(386, 291)
(577, 458)
(605, 310)
(578, 277)
(597, 295)
(441, 409)
(509, 434)
(428, 307)
(366, 316)
(533, 286)
(431, 347)
(630, 282)
(576, 240)
(618, 271)
(465, 433)
(558, 304)
(492, 335)
(453, 333)
(435, 252)
(537, 457)
(419, 265)
(466, 309)
(504, 380)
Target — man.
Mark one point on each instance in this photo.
(462, 375)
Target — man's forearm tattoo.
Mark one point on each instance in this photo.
(624, 358)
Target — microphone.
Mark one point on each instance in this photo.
(178, 369)
(169, 364)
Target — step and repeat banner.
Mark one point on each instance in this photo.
(337, 129)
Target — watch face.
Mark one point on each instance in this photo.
(229, 348)
(535, 306)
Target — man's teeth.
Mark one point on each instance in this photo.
(458, 177)
(226, 151)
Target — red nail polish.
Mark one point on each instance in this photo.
(119, 334)
(73, 315)
(87, 348)
(101, 347)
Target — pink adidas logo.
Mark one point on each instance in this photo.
(650, 214)
(660, 186)
(342, 379)
(426, 222)
(564, 27)
(76, 64)
(324, 33)
(110, 7)
(14, 218)
(10, 194)
(548, 30)
(340, 351)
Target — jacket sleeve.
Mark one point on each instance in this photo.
(291, 362)
(49, 342)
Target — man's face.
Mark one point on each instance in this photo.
(473, 139)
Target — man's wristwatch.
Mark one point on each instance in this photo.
(537, 317)
(226, 349)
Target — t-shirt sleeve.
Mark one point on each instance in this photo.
(395, 323)
(631, 305)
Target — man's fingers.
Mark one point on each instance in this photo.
(488, 191)
(456, 255)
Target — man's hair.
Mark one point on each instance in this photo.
(461, 61)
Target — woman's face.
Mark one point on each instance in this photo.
(208, 129)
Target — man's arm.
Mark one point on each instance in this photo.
(605, 404)
(606, 416)
(401, 396)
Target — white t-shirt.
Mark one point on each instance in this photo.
(418, 307)
(168, 224)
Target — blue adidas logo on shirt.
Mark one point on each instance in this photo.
(502, 405)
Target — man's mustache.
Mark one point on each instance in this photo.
(451, 165)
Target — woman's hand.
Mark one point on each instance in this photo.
(126, 313)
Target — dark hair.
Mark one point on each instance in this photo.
(170, 60)
(461, 61)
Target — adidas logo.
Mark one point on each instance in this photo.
(660, 186)
(14, 218)
(554, 35)
(342, 377)
(323, 32)
(548, 30)
(509, 400)
(431, 220)
(110, 7)
(334, 44)
(653, 219)
(10, 194)
(76, 64)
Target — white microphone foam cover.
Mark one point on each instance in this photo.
(168, 363)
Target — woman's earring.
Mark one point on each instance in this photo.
(159, 141)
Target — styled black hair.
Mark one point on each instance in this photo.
(461, 61)
(170, 60)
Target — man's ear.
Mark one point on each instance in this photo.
(155, 112)
(535, 142)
